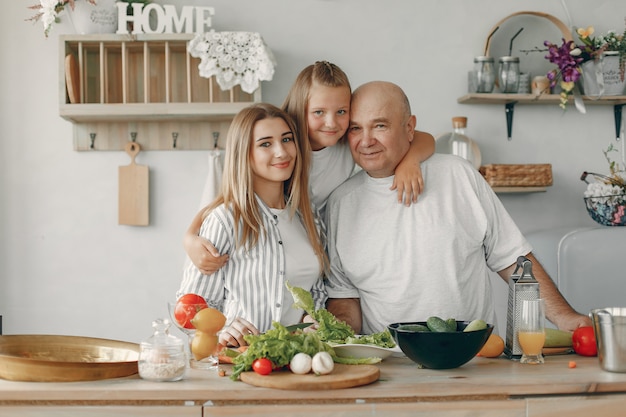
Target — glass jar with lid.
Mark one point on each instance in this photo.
(162, 356)
(484, 74)
(508, 74)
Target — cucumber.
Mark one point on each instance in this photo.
(451, 325)
(414, 328)
(437, 324)
(475, 325)
(557, 338)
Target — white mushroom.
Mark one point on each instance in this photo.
(322, 363)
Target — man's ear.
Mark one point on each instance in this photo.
(410, 126)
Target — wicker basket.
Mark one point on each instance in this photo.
(509, 175)
(607, 210)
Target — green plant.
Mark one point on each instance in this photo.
(594, 47)
(614, 167)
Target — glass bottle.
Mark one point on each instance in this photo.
(484, 73)
(508, 74)
(457, 143)
(162, 356)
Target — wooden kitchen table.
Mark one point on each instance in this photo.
(486, 387)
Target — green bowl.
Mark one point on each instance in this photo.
(440, 350)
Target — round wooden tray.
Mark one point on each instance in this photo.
(343, 376)
(49, 358)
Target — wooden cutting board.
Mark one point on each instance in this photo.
(343, 376)
(72, 78)
(134, 198)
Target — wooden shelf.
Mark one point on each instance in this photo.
(518, 190)
(145, 88)
(483, 98)
(510, 100)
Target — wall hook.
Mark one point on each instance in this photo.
(92, 136)
(174, 139)
(216, 136)
(133, 136)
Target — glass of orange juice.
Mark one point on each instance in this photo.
(531, 332)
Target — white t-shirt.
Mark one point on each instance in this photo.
(429, 259)
(329, 168)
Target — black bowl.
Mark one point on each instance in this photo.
(440, 350)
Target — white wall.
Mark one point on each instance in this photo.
(67, 267)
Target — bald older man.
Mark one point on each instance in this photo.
(391, 263)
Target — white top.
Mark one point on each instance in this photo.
(330, 167)
(429, 259)
(252, 283)
(300, 260)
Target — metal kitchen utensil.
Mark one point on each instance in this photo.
(294, 327)
(522, 286)
(609, 325)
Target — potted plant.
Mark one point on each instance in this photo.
(48, 11)
(599, 61)
(605, 196)
(604, 57)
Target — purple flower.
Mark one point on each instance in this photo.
(562, 57)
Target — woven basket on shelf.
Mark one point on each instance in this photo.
(607, 210)
(510, 175)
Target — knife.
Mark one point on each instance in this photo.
(294, 327)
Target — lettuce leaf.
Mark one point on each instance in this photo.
(279, 346)
(382, 339)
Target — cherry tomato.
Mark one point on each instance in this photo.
(186, 308)
(262, 366)
(584, 341)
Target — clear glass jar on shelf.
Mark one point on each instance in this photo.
(508, 74)
(162, 356)
(483, 75)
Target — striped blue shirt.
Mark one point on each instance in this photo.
(252, 283)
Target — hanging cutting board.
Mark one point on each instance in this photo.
(342, 376)
(72, 78)
(134, 201)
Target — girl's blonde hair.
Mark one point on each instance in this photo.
(237, 191)
(297, 100)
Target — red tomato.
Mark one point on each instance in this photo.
(186, 307)
(262, 366)
(584, 341)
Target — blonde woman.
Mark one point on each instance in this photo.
(263, 219)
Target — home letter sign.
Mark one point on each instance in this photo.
(166, 20)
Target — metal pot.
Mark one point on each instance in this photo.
(609, 325)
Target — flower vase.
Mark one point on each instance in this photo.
(602, 77)
(89, 18)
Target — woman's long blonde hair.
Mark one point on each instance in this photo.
(237, 190)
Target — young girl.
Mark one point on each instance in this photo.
(263, 219)
(319, 102)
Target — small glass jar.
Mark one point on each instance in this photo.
(508, 74)
(484, 74)
(162, 356)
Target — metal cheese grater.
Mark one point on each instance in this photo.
(522, 286)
